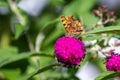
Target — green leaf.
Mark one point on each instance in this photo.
(54, 35)
(4, 60)
(86, 17)
(11, 74)
(50, 23)
(92, 37)
(8, 51)
(3, 3)
(78, 7)
(107, 75)
(18, 30)
(111, 29)
(27, 77)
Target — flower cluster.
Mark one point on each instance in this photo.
(69, 51)
(105, 16)
(113, 62)
(103, 12)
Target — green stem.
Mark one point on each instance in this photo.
(46, 68)
(14, 9)
(27, 77)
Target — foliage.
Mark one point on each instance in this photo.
(27, 42)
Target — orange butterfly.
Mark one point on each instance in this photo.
(73, 27)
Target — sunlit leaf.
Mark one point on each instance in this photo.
(92, 37)
(111, 29)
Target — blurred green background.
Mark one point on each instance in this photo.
(29, 29)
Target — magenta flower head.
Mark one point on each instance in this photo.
(113, 62)
(69, 51)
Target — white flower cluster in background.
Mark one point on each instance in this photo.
(89, 71)
(88, 43)
(113, 44)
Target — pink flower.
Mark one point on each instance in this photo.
(113, 63)
(69, 51)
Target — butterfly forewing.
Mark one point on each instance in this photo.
(72, 27)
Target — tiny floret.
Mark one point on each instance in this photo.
(69, 51)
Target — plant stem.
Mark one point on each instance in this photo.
(15, 10)
(39, 71)
(31, 46)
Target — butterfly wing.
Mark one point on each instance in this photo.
(72, 27)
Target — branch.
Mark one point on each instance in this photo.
(14, 9)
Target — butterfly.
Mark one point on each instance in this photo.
(72, 26)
